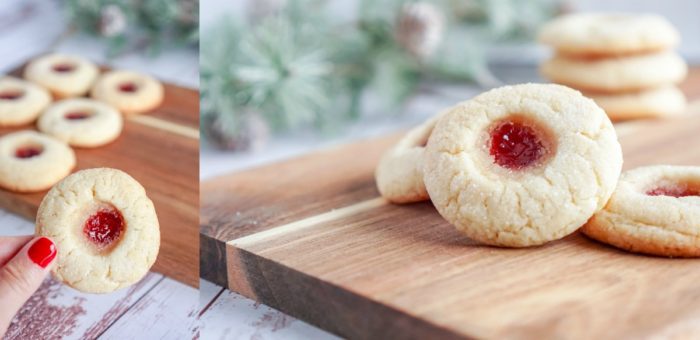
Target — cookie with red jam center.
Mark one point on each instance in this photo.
(32, 161)
(21, 102)
(63, 75)
(129, 92)
(654, 210)
(82, 122)
(522, 165)
(105, 228)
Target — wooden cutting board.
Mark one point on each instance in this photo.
(311, 237)
(161, 151)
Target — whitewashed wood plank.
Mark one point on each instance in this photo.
(57, 311)
(233, 316)
(171, 310)
(208, 291)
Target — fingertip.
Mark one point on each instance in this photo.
(42, 251)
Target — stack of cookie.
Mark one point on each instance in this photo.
(625, 62)
(523, 165)
(33, 161)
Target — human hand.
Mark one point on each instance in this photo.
(24, 263)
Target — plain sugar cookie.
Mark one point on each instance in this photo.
(656, 102)
(654, 210)
(522, 165)
(129, 92)
(81, 122)
(399, 174)
(105, 228)
(31, 161)
(21, 101)
(609, 34)
(617, 74)
(64, 75)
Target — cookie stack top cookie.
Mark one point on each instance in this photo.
(625, 62)
(609, 34)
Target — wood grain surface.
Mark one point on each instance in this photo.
(311, 237)
(161, 151)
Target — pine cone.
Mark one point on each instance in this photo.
(420, 28)
(112, 21)
(251, 135)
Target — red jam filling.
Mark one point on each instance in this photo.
(77, 115)
(10, 95)
(63, 68)
(104, 227)
(128, 87)
(28, 152)
(516, 146)
(674, 191)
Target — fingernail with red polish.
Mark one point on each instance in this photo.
(42, 252)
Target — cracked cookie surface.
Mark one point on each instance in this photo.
(32, 161)
(525, 198)
(21, 102)
(105, 228)
(654, 210)
(81, 122)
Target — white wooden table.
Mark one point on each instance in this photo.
(155, 308)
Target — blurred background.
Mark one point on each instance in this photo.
(283, 77)
(160, 37)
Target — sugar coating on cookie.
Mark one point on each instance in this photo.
(655, 102)
(105, 228)
(654, 210)
(617, 74)
(21, 102)
(32, 161)
(399, 174)
(522, 165)
(609, 33)
(81, 122)
(130, 92)
(64, 75)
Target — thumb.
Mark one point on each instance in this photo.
(22, 275)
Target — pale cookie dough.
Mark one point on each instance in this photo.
(616, 74)
(21, 101)
(656, 102)
(105, 228)
(129, 92)
(522, 165)
(609, 33)
(654, 210)
(399, 174)
(64, 75)
(31, 161)
(82, 122)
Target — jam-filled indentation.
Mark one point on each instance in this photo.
(516, 144)
(11, 94)
(128, 87)
(63, 68)
(28, 151)
(104, 227)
